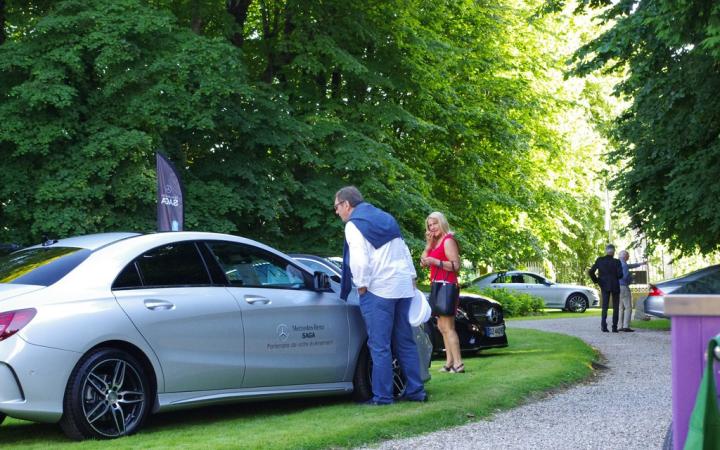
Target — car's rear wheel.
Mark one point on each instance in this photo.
(362, 380)
(107, 396)
(577, 303)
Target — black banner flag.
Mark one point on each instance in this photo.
(170, 214)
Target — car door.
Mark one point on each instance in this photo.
(194, 327)
(294, 335)
(539, 287)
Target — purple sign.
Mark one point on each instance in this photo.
(170, 213)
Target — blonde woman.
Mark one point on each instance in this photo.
(442, 255)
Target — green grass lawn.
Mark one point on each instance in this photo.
(559, 314)
(652, 324)
(496, 379)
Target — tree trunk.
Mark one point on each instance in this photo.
(2, 22)
(239, 10)
(196, 22)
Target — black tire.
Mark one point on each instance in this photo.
(106, 385)
(576, 302)
(2, 418)
(362, 385)
(362, 380)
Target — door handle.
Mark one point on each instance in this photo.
(252, 299)
(158, 305)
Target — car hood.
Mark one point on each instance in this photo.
(466, 296)
(572, 286)
(8, 291)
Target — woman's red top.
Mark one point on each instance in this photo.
(436, 273)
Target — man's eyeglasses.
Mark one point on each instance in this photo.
(335, 207)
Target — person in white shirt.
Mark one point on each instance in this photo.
(377, 260)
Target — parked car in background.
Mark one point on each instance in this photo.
(98, 331)
(479, 320)
(703, 281)
(8, 248)
(567, 297)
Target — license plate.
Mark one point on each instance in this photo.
(495, 331)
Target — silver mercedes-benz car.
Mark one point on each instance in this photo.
(569, 297)
(98, 331)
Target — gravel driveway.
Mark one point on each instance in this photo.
(628, 406)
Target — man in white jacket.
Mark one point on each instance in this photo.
(378, 261)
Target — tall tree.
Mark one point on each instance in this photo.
(668, 140)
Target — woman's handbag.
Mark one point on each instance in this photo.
(444, 295)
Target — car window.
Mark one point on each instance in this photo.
(501, 279)
(706, 284)
(516, 278)
(531, 279)
(177, 264)
(317, 266)
(248, 266)
(40, 266)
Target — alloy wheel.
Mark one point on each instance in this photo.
(113, 397)
(577, 303)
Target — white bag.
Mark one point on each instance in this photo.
(419, 309)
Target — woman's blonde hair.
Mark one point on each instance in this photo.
(441, 219)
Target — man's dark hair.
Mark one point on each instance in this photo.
(350, 194)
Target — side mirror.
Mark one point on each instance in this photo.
(321, 281)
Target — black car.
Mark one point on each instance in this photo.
(479, 323)
(479, 320)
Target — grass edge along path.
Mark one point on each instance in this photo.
(559, 314)
(497, 379)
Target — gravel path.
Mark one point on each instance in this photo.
(627, 407)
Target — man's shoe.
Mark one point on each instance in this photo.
(629, 330)
(614, 329)
(605, 330)
(422, 399)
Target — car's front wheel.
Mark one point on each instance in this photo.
(362, 380)
(107, 396)
(576, 303)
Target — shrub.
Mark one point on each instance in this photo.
(514, 304)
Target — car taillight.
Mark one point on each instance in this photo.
(655, 292)
(13, 321)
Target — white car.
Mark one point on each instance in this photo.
(98, 331)
(568, 297)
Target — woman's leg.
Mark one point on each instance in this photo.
(446, 324)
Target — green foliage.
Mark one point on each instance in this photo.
(667, 142)
(515, 304)
(269, 107)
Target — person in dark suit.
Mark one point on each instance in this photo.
(608, 277)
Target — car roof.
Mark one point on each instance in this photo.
(88, 241)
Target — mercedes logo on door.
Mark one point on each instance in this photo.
(283, 332)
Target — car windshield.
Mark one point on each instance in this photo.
(40, 266)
